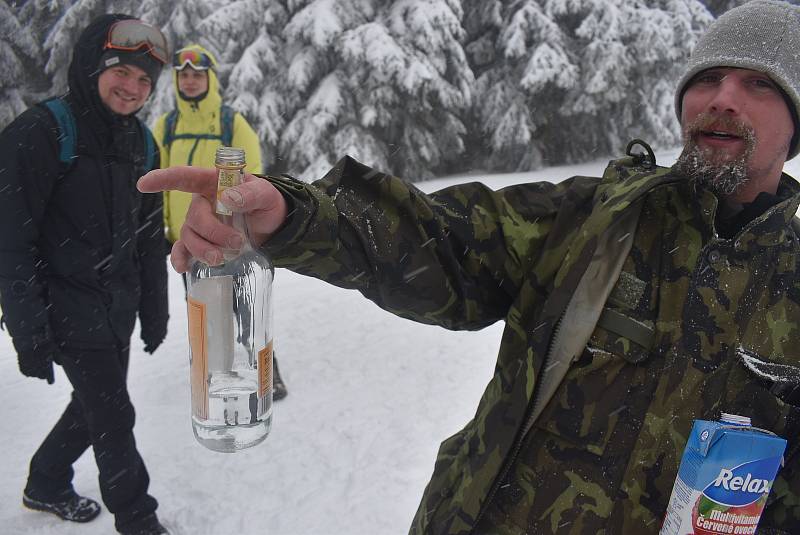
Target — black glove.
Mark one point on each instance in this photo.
(152, 337)
(36, 355)
(153, 317)
(150, 347)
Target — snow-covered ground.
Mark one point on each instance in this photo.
(371, 396)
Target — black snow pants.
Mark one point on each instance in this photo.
(100, 415)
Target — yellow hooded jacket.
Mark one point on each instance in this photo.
(199, 117)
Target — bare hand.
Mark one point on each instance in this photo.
(203, 235)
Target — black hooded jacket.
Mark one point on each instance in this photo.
(81, 250)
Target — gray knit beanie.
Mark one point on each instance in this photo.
(761, 35)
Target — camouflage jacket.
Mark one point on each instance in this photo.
(695, 325)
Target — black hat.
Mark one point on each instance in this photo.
(138, 58)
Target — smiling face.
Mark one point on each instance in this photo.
(737, 127)
(124, 88)
(192, 83)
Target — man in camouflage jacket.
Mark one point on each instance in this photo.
(634, 303)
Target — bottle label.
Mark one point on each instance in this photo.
(198, 343)
(265, 370)
(227, 178)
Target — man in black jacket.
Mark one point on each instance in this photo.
(81, 252)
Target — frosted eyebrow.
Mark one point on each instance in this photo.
(709, 72)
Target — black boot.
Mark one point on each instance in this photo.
(278, 387)
(73, 507)
(148, 525)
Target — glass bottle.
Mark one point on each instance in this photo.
(230, 333)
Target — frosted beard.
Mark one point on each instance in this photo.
(714, 169)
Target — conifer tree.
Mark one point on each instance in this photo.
(433, 88)
(18, 50)
(573, 79)
(62, 37)
(253, 66)
(414, 87)
(382, 81)
(316, 80)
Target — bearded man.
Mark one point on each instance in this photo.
(634, 303)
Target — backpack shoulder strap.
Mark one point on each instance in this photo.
(68, 133)
(226, 117)
(170, 123)
(149, 146)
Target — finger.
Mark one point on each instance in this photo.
(189, 179)
(264, 205)
(200, 248)
(180, 257)
(254, 194)
(205, 231)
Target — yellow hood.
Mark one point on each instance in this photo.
(210, 102)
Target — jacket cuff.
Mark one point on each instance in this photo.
(310, 225)
(29, 342)
(24, 311)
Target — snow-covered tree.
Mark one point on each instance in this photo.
(62, 37)
(573, 78)
(18, 51)
(317, 82)
(414, 87)
(385, 82)
(253, 63)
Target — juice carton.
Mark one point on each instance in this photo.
(724, 478)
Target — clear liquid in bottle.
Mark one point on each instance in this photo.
(230, 335)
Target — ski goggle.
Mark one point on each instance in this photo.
(132, 34)
(190, 57)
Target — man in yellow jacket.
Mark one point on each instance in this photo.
(191, 133)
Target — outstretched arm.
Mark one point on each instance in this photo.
(453, 258)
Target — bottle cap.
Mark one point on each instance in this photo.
(229, 156)
(734, 419)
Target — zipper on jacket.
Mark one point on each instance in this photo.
(528, 422)
(556, 341)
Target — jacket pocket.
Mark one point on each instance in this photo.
(783, 379)
(769, 395)
(447, 476)
(620, 333)
(625, 327)
(597, 391)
